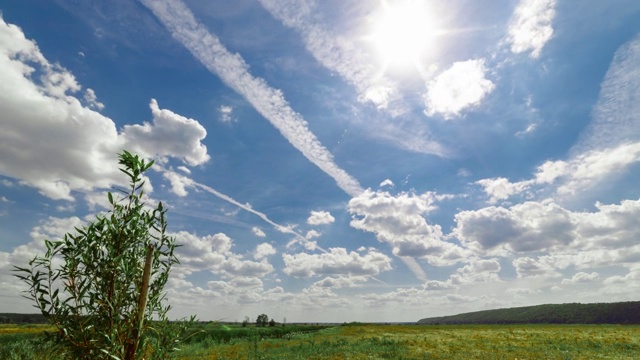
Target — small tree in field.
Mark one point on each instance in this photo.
(262, 320)
(106, 296)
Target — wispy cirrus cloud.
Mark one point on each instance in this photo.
(354, 63)
(334, 51)
(234, 72)
(615, 115)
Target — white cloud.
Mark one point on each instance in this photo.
(258, 232)
(234, 72)
(213, 253)
(530, 226)
(501, 188)
(581, 278)
(169, 135)
(178, 182)
(263, 250)
(320, 218)
(92, 100)
(460, 87)
(387, 182)
(341, 282)
(533, 226)
(615, 115)
(571, 177)
(478, 270)
(225, 113)
(312, 234)
(336, 262)
(528, 267)
(399, 221)
(530, 26)
(435, 285)
(593, 167)
(51, 142)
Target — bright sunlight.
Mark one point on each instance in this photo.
(403, 32)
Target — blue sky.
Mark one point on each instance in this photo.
(335, 160)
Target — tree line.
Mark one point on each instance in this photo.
(573, 313)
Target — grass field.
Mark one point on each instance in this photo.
(366, 341)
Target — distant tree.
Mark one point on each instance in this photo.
(284, 321)
(262, 320)
(101, 286)
(246, 321)
(272, 323)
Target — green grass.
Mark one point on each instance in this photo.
(363, 341)
(24, 342)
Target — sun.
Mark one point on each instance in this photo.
(403, 32)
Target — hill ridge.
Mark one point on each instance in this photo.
(568, 313)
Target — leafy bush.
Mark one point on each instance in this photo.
(109, 286)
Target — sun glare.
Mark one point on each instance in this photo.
(403, 32)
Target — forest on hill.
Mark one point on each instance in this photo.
(573, 313)
(13, 318)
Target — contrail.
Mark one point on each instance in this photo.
(186, 181)
(234, 72)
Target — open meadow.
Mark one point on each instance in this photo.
(369, 341)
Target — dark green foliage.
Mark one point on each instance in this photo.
(262, 320)
(575, 313)
(13, 318)
(110, 279)
(222, 334)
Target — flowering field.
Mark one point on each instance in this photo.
(436, 342)
(367, 341)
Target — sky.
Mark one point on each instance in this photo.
(335, 161)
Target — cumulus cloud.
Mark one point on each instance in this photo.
(460, 87)
(312, 234)
(435, 285)
(170, 134)
(234, 72)
(530, 226)
(258, 232)
(52, 142)
(578, 174)
(320, 218)
(341, 282)
(530, 26)
(501, 188)
(528, 267)
(478, 270)
(581, 278)
(336, 262)
(263, 250)
(213, 253)
(399, 221)
(533, 226)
